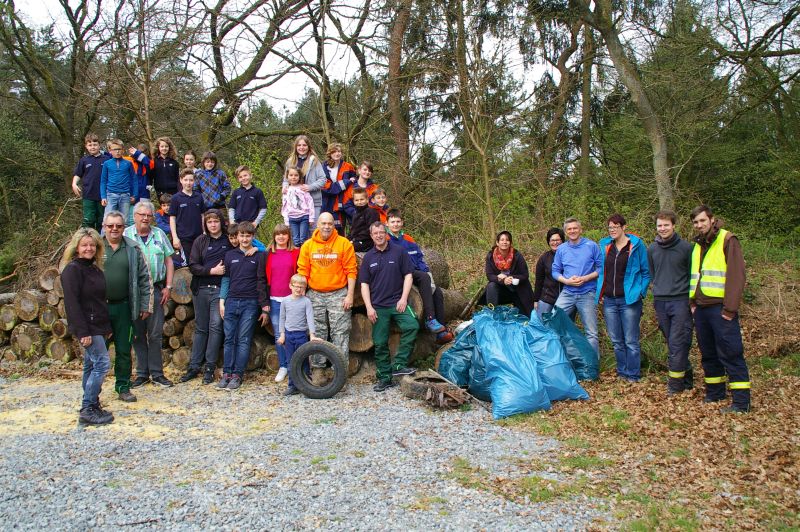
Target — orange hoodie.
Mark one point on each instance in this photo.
(327, 264)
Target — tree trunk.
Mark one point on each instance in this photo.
(258, 352)
(454, 303)
(169, 308)
(360, 333)
(180, 358)
(52, 299)
(28, 303)
(48, 277)
(175, 342)
(188, 333)
(584, 163)
(272, 362)
(28, 341)
(438, 266)
(184, 312)
(166, 357)
(395, 91)
(59, 329)
(172, 327)
(62, 309)
(181, 286)
(57, 288)
(7, 298)
(8, 317)
(60, 349)
(47, 317)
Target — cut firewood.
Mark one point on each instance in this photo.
(28, 341)
(258, 352)
(454, 303)
(62, 309)
(354, 362)
(59, 328)
(7, 354)
(180, 358)
(57, 288)
(7, 298)
(175, 342)
(169, 308)
(52, 298)
(172, 327)
(188, 333)
(272, 362)
(184, 312)
(60, 349)
(182, 286)
(166, 357)
(438, 266)
(28, 303)
(3, 337)
(47, 317)
(8, 317)
(439, 353)
(48, 277)
(360, 333)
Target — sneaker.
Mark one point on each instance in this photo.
(189, 375)
(139, 381)
(223, 382)
(444, 337)
(281, 374)
(399, 372)
(127, 396)
(291, 390)
(208, 375)
(235, 382)
(734, 410)
(162, 381)
(434, 326)
(382, 386)
(91, 415)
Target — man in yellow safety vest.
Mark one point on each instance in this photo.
(715, 292)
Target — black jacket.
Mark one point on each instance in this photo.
(84, 287)
(669, 264)
(546, 288)
(523, 292)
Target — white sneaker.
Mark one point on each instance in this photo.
(281, 374)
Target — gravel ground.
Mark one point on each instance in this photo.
(189, 458)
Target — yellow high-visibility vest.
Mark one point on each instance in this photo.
(711, 273)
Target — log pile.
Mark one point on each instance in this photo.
(33, 325)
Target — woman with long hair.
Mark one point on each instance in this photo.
(308, 162)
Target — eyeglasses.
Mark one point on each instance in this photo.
(614, 227)
(555, 240)
(144, 214)
(115, 226)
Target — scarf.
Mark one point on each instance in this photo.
(502, 263)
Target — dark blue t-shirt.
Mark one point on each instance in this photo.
(243, 273)
(88, 169)
(384, 272)
(247, 203)
(188, 212)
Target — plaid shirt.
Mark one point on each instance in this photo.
(213, 185)
(156, 250)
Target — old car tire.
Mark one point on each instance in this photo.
(303, 382)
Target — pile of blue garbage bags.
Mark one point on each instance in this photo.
(519, 363)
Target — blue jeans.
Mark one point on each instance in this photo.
(239, 323)
(543, 308)
(622, 324)
(208, 328)
(584, 304)
(118, 202)
(96, 364)
(292, 341)
(299, 227)
(275, 318)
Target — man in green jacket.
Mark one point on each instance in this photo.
(129, 293)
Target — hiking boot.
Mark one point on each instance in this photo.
(733, 409)
(382, 386)
(708, 399)
(223, 382)
(127, 396)
(208, 375)
(235, 382)
(189, 375)
(282, 372)
(162, 381)
(399, 372)
(291, 390)
(91, 415)
(444, 337)
(434, 326)
(140, 381)
(688, 379)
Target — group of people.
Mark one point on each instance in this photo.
(695, 285)
(118, 275)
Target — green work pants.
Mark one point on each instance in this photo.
(408, 324)
(122, 327)
(92, 214)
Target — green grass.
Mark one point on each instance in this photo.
(466, 474)
(583, 462)
(424, 503)
(538, 421)
(538, 489)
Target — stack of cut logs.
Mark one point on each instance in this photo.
(33, 326)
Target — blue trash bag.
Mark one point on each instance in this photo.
(514, 380)
(455, 362)
(554, 368)
(579, 351)
(478, 380)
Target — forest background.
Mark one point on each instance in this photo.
(478, 115)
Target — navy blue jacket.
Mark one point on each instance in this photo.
(88, 169)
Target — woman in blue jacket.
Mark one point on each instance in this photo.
(622, 285)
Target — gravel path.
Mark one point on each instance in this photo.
(189, 458)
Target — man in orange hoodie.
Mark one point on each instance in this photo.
(328, 261)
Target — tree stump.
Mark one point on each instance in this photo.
(28, 303)
(172, 327)
(175, 342)
(438, 266)
(169, 308)
(7, 298)
(182, 286)
(454, 303)
(62, 309)
(258, 352)
(166, 357)
(59, 329)
(8, 354)
(188, 333)
(439, 353)
(52, 299)
(48, 316)
(360, 333)
(180, 358)
(28, 341)
(272, 362)
(184, 312)
(415, 302)
(48, 278)
(57, 288)
(8, 317)
(354, 362)
(60, 349)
